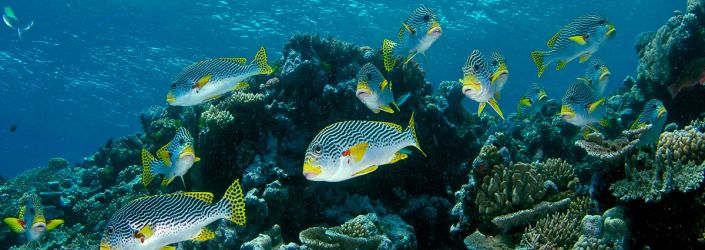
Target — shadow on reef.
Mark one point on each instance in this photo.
(531, 181)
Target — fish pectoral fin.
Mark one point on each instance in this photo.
(15, 224)
(51, 224)
(164, 155)
(365, 171)
(168, 248)
(204, 234)
(202, 82)
(578, 39)
(584, 57)
(593, 106)
(480, 108)
(357, 151)
(206, 197)
(144, 233)
(495, 106)
(398, 156)
(561, 64)
(240, 86)
(387, 108)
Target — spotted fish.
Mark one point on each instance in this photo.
(173, 159)
(31, 221)
(420, 30)
(533, 101)
(349, 149)
(581, 107)
(654, 113)
(374, 91)
(580, 38)
(483, 80)
(208, 80)
(598, 75)
(155, 222)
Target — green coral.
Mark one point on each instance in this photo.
(508, 189)
(560, 172)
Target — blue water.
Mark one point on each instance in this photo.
(86, 69)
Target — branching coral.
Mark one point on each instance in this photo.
(560, 172)
(508, 189)
(559, 230)
(526, 216)
(612, 150)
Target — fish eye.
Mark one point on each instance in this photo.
(180, 141)
(317, 149)
(476, 67)
(426, 17)
(110, 230)
(368, 75)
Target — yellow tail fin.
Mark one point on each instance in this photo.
(388, 48)
(538, 57)
(261, 62)
(412, 129)
(233, 204)
(147, 159)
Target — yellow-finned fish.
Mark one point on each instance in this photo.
(598, 75)
(483, 80)
(693, 74)
(374, 90)
(533, 101)
(578, 39)
(155, 222)
(581, 107)
(31, 221)
(655, 114)
(208, 80)
(173, 159)
(420, 30)
(349, 149)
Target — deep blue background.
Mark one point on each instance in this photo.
(86, 69)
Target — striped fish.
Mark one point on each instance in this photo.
(483, 80)
(654, 113)
(155, 222)
(581, 107)
(31, 221)
(420, 30)
(598, 75)
(208, 80)
(578, 39)
(374, 91)
(173, 159)
(349, 149)
(533, 101)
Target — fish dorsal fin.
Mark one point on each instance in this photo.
(16, 225)
(551, 42)
(206, 197)
(579, 39)
(593, 106)
(365, 171)
(164, 155)
(22, 208)
(238, 60)
(204, 234)
(144, 233)
(394, 126)
(51, 224)
(357, 151)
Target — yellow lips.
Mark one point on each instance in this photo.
(610, 30)
(104, 246)
(310, 170)
(170, 97)
(566, 111)
(605, 72)
(470, 82)
(434, 26)
(542, 95)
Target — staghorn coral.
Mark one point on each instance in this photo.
(558, 230)
(560, 172)
(684, 145)
(612, 150)
(508, 189)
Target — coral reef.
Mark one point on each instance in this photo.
(684, 145)
(508, 189)
(558, 230)
(479, 241)
(526, 216)
(612, 150)
(609, 231)
(362, 232)
(560, 172)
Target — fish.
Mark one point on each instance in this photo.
(374, 90)
(416, 35)
(11, 21)
(581, 106)
(655, 114)
(155, 222)
(349, 149)
(31, 221)
(173, 159)
(692, 75)
(580, 39)
(483, 80)
(210, 79)
(533, 101)
(598, 75)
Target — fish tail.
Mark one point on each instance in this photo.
(673, 90)
(149, 167)
(390, 50)
(261, 62)
(232, 205)
(539, 60)
(411, 130)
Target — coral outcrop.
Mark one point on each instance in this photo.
(508, 189)
(362, 232)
